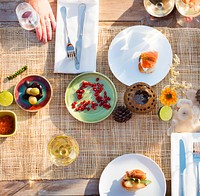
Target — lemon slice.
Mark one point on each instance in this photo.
(6, 98)
(165, 113)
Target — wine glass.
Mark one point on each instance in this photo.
(63, 150)
(28, 18)
(158, 9)
(189, 13)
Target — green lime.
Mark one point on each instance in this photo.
(165, 113)
(6, 98)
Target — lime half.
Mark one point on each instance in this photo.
(165, 113)
(6, 98)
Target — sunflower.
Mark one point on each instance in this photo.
(168, 96)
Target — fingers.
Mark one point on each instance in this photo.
(39, 32)
(53, 21)
(48, 29)
(44, 29)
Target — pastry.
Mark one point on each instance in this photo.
(147, 61)
(134, 180)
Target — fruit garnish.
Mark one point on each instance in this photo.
(165, 113)
(17, 73)
(32, 100)
(101, 98)
(6, 98)
(33, 92)
(191, 2)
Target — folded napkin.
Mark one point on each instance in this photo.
(90, 36)
(190, 185)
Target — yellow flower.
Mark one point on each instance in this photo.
(168, 96)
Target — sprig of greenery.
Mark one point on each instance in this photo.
(17, 73)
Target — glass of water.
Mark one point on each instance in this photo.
(28, 18)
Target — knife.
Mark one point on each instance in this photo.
(182, 166)
(81, 18)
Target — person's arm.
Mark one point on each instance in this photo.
(47, 19)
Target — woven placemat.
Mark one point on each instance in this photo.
(24, 156)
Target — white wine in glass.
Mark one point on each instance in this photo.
(189, 11)
(159, 8)
(63, 150)
(28, 18)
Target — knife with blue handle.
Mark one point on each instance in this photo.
(81, 18)
(182, 164)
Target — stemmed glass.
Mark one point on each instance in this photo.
(63, 150)
(189, 13)
(158, 9)
(27, 16)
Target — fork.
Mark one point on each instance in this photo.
(71, 54)
(196, 159)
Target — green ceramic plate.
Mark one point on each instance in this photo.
(91, 116)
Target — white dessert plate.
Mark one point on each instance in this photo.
(110, 180)
(126, 47)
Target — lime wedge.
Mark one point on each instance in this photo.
(165, 113)
(6, 98)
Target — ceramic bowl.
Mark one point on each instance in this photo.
(140, 98)
(4, 113)
(31, 81)
(97, 113)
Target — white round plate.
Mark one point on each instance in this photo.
(110, 180)
(126, 47)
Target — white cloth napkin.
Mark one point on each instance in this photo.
(90, 36)
(190, 183)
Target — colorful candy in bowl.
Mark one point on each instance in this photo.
(33, 93)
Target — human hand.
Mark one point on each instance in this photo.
(47, 19)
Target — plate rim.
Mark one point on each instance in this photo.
(134, 154)
(107, 78)
(145, 27)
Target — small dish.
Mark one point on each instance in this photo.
(91, 115)
(13, 126)
(45, 91)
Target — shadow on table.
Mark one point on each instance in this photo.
(92, 187)
(142, 17)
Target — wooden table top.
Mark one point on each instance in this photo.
(112, 12)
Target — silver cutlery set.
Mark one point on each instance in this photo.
(74, 53)
(182, 163)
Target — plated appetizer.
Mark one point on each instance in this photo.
(134, 180)
(147, 61)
